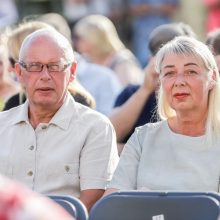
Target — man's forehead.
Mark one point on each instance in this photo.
(39, 42)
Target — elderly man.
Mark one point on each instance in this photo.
(51, 143)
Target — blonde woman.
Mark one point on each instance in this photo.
(96, 39)
(181, 152)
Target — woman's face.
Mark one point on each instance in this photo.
(185, 82)
(83, 46)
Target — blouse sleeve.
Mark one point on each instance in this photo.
(125, 176)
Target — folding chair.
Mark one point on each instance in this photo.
(72, 205)
(136, 205)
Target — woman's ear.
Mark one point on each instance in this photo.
(212, 81)
(212, 84)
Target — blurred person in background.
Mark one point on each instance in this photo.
(74, 10)
(17, 202)
(8, 13)
(213, 42)
(136, 104)
(96, 39)
(8, 86)
(145, 16)
(213, 14)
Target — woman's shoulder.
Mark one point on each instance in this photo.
(148, 132)
(151, 127)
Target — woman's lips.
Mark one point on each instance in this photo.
(181, 95)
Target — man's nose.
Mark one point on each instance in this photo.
(45, 72)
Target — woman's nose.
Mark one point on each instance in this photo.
(180, 80)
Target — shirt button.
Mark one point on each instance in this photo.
(44, 127)
(31, 147)
(30, 173)
(67, 168)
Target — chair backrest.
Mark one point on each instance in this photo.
(69, 207)
(72, 205)
(138, 205)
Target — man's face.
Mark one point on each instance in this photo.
(45, 88)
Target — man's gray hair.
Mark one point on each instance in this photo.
(52, 34)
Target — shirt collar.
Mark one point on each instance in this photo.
(61, 119)
(63, 116)
(21, 113)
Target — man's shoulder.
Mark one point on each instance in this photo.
(89, 113)
(88, 119)
(10, 115)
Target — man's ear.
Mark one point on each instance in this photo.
(18, 72)
(73, 72)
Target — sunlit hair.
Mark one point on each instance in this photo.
(4, 57)
(17, 35)
(51, 35)
(100, 32)
(190, 46)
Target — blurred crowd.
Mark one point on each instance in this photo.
(115, 43)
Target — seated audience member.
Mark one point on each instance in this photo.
(101, 83)
(8, 86)
(180, 152)
(53, 144)
(15, 39)
(20, 203)
(136, 104)
(213, 42)
(97, 40)
(145, 16)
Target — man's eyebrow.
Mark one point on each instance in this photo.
(169, 66)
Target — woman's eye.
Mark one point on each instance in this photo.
(169, 74)
(191, 72)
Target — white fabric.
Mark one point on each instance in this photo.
(75, 151)
(159, 159)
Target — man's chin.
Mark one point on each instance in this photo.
(47, 103)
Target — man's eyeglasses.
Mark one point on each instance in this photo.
(38, 67)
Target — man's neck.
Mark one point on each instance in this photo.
(40, 115)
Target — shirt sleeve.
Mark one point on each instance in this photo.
(126, 94)
(125, 176)
(99, 157)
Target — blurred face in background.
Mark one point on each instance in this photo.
(83, 46)
(4, 63)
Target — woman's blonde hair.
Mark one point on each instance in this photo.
(16, 36)
(189, 46)
(100, 32)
